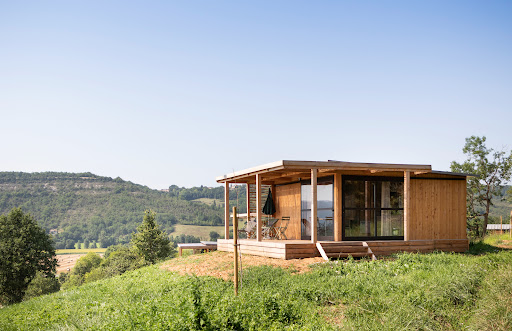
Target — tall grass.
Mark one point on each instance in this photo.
(412, 292)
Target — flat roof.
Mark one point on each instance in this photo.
(288, 170)
(290, 165)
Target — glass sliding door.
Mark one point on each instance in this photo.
(325, 209)
(372, 208)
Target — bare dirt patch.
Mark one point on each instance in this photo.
(220, 264)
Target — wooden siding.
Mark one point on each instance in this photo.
(287, 200)
(438, 209)
(296, 249)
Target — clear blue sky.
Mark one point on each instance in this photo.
(179, 92)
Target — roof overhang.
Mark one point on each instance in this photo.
(289, 168)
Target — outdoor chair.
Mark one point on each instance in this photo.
(269, 230)
(249, 229)
(281, 230)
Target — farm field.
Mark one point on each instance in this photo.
(80, 251)
(435, 291)
(200, 231)
(209, 201)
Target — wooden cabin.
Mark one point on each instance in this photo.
(336, 209)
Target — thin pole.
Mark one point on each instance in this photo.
(501, 220)
(510, 230)
(235, 248)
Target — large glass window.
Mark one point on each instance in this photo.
(372, 208)
(325, 209)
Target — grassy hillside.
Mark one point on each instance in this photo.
(411, 292)
(86, 207)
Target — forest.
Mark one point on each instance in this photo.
(83, 207)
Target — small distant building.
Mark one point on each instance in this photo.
(498, 227)
(54, 231)
(164, 190)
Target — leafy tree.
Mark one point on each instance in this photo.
(493, 169)
(40, 285)
(25, 249)
(84, 265)
(214, 235)
(120, 261)
(149, 241)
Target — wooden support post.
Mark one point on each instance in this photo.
(235, 248)
(248, 200)
(314, 221)
(407, 204)
(338, 221)
(226, 210)
(501, 226)
(510, 230)
(273, 190)
(180, 251)
(259, 219)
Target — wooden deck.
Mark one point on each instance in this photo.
(296, 249)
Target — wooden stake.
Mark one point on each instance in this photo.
(235, 248)
(501, 221)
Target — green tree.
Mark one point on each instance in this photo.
(25, 249)
(121, 261)
(493, 168)
(149, 241)
(83, 266)
(214, 235)
(40, 285)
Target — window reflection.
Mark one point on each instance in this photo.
(325, 212)
(372, 208)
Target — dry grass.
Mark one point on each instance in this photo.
(66, 262)
(220, 264)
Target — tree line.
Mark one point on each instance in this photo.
(98, 210)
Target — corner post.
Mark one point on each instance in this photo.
(337, 207)
(314, 173)
(407, 204)
(226, 210)
(259, 220)
(248, 200)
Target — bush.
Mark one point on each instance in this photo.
(120, 261)
(40, 285)
(86, 263)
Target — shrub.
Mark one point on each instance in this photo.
(40, 285)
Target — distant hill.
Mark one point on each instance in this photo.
(86, 207)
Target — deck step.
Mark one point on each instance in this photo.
(339, 250)
(346, 255)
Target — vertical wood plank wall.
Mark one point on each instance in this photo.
(287, 199)
(438, 209)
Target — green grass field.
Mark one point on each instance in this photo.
(437, 291)
(209, 201)
(199, 231)
(196, 230)
(411, 292)
(80, 251)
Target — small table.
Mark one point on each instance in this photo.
(203, 245)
